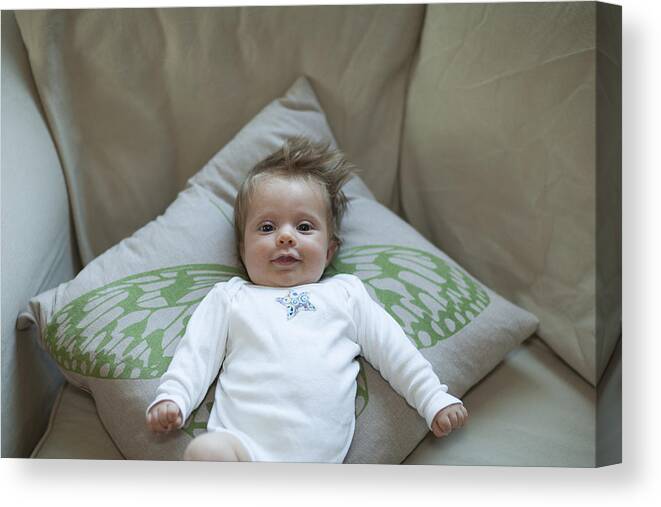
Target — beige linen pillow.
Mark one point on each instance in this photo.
(113, 329)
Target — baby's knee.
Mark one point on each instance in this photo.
(216, 446)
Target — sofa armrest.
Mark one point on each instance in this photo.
(38, 246)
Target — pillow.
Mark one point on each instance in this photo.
(114, 328)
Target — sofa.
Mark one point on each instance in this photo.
(494, 130)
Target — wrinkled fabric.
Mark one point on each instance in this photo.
(38, 250)
(499, 163)
(139, 99)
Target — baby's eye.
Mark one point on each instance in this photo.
(304, 227)
(266, 228)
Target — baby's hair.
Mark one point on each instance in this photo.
(300, 158)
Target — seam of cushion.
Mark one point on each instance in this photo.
(51, 420)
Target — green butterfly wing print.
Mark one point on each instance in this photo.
(431, 299)
(129, 329)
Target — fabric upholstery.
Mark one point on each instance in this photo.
(139, 99)
(75, 430)
(499, 163)
(532, 410)
(37, 245)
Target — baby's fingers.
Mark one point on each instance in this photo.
(153, 422)
(148, 420)
(436, 429)
(458, 417)
(443, 424)
(162, 415)
(172, 413)
(462, 416)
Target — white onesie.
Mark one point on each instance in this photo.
(287, 361)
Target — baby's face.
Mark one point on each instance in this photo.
(286, 240)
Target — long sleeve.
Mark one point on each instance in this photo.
(198, 356)
(385, 345)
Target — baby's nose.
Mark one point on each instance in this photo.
(286, 238)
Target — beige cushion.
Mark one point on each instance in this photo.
(75, 430)
(532, 410)
(114, 328)
(38, 250)
(498, 160)
(139, 99)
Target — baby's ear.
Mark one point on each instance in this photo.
(332, 248)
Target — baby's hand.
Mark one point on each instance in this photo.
(448, 419)
(164, 416)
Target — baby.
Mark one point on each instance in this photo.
(286, 341)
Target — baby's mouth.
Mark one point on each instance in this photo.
(285, 260)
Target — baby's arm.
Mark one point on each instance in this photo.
(385, 345)
(195, 363)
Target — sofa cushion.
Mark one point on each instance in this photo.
(38, 248)
(514, 181)
(114, 328)
(140, 99)
(74, 430)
